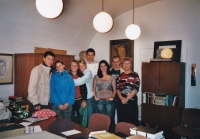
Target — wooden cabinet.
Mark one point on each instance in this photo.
(24, 63)
(166, 78)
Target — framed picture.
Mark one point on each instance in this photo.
(122, 48)
(6, 68)
(174, 45)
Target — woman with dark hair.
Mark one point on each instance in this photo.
(104, 88)
(81, 93)
(62, 91)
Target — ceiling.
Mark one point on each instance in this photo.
(79, 15)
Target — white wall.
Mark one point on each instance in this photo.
(160, 21)
(22, 28)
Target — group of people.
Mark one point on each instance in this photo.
(85, 87)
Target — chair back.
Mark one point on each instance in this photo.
(124, 128)
(191, 117)
(99, 122)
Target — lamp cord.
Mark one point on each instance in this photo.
(133, 11)
(102, 5)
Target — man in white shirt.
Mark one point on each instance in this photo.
(92, 64)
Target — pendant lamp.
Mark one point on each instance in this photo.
(49, 8)
(102, 22)
(133, 31)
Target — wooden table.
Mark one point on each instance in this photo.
(59, 124)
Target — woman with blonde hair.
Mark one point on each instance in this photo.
(81, 92)
(128, 85)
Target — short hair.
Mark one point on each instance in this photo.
(115, 57)
(99, 72)
(79, 72)
(128, 59)
(59, 61)
(49, 53)
(90, 50)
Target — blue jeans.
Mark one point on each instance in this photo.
(105, 107)
(64, 113)
(90, 107)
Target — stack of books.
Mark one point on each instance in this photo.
(160, 99)
(15, 98)
(150, 133)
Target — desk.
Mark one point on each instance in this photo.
(59, 124)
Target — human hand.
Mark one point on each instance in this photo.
(37, 108)
(83, 104)
(110, 98)
(124, 100)
(61, 107)
(65, 106)
(96, 98)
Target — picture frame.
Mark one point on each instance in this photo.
(6, 68)
(174, 45)
(122, 48)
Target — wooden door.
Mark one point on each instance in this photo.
(150, 77)
(170, 78)
(151, 114)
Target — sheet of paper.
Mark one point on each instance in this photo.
(37, 128)
(25, 123)
(32, 120)
(70, 132)
(33, 129)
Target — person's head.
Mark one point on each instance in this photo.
(127, 63)
(82, 65)
(116, 62)
(90, 53)
(60, 66)
(74, 68)
(103, 67)
(48, 58)
(82, 55)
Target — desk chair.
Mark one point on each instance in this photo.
(190, 126)
(124, 128)
(99, 122)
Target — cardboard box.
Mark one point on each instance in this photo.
(55, 51)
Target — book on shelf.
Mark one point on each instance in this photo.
(175, 101)
(148, 98)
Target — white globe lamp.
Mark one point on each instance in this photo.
(133, 32)
(49, 8)
(102, 22)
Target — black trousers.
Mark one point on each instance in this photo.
(128, 112)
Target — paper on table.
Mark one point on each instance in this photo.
(33, 129)
(25, 123)
(70, 132)
(32, 120)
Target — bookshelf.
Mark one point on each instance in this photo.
(163, 94)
